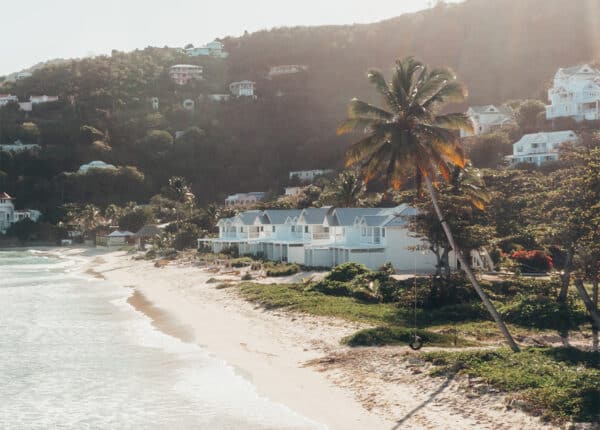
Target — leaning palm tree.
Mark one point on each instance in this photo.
(411, 139)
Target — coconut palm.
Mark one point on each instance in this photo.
(348, 189)
(411, 139)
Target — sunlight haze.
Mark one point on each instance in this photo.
(75, 28)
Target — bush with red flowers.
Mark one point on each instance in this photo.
(532, 261)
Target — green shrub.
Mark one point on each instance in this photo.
(282, 270)
(246, 277)
(380, 336)
(332, 288)
(346, 272)
(212, 281)
(241, 262)
(542, 311)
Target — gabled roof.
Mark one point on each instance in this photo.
(5, 196)
(549, 137)
(279, 216)
(347, 216)
(502, 109)
(374, 220)
(580, 68)
(121, 234)
(250, 217)
(148, 231)
(314, 215)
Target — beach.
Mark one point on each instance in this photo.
(297, 360)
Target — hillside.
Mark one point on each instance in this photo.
(501, 49)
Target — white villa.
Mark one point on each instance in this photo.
(488, 118)
(185, 73)
(36, 100)
(23, 75)
(242, 89)
(7, 98)
(9, 215)
(538, 148)
(326, 237)
(309, 175)
(244, 199)
(19, 146)
(288, 69)
(84, 168)
(219, 97)
(575, 94)
(293, 191)
(212, 49)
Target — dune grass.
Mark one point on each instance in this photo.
(560, 384)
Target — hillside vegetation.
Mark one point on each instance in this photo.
(501, 49)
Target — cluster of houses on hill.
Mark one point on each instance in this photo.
(301, 177)
(328, 236)
(26, 106)
(575, 94)
(9, 215)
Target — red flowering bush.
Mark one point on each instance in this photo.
(532, 261)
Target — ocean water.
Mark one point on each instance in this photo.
(75, 355)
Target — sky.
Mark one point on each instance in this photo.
(38, 30)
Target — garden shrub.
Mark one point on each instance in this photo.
(346, 272)
(241, 262)
(543, 312)
(332, 288)
(533, 261)
(246, 277)
(380, 336)
(282, 270)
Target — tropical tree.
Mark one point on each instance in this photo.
(411, 139)
(348, 189)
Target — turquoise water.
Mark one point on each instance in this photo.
(75, 355)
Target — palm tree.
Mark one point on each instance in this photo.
(410, 138)
(349, 188)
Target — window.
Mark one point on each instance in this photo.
(273, 228)
(293, 229)
(364, 231)
(383, 232)
(305, 229)
(241, 229)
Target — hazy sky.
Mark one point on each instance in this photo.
(38, 30)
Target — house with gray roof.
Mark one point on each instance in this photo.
(327, 236)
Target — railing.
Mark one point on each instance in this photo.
(320, 236)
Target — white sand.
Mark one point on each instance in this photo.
(297, 359)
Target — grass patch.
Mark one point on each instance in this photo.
(559, 384)
(380, 336)
(282, 269)
(296, 297)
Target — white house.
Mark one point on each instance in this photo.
(19, 146)
(36, 100)
(326, 237)
(8, 98)
(309, 175)
(116, 238)
(242, 89)
(288, 69)
(9, 215)
(293, 191)
(488, 118)
(575, 94)
(84, 168)
(182, 74)
(538, 148)
(189, 105)
(212, 49)
(244, 199)
(23, 75)
(26, 106)
(219, 97)
(155, 101)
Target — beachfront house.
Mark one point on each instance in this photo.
(116, 238)
(326, 237)
(212, 49)
(575, 93)
(244, 199)
(538, 148)
(146, 234)
(38, 100)
(293, 191)
(9, 215)
(242, 89)
(182, 74)
(486, 119)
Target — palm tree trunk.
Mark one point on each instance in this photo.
(565, 277)
(467, 269)
(595, 328)
(588, 302)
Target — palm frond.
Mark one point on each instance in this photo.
(450, 92)
(360, 109)
(454, 121)
(357, 124)
(377, 79)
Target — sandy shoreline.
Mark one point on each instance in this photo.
(297, 360)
